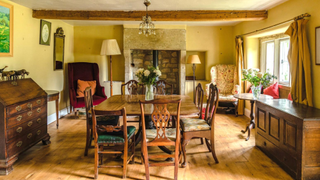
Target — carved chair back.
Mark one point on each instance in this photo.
(133, 88)
(160, 117)
(212, 104)
(163, 88)
(199, 99)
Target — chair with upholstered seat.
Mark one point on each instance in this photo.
(224, 76)
(101, 120)
(163, 88)
(86, 72)
(113, 139)
(201, 128)
(161, 135)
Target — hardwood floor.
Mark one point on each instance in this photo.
(64, 159)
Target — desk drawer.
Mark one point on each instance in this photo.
(26, 116)
(25, 127)
(23, 142)
(27, 106)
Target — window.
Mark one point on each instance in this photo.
(274, 57)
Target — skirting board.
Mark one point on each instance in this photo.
(52, 118)
(247, 112)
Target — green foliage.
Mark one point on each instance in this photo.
(4, 33)
(256, 78)
(148, 76)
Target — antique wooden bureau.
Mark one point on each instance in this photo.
(23, 119)
(289, 133)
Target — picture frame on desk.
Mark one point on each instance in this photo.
(6, 30)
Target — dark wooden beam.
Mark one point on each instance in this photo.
(155, 15)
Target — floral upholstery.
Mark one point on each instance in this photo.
(224, 76)
(189, 124)
(152, 133)
(115, 137)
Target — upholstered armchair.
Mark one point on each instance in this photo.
(85, 72)
(224, 76)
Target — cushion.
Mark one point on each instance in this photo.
(96, 100)
(189, 124)
(152, 133)
(289, 97)
(115, 137)
(82, 85)
(272, 90)
(227, 97)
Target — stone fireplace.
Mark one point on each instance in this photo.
(171, 44)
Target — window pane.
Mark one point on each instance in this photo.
(284, 73)
(270, 57)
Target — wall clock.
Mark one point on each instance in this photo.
(45, 32)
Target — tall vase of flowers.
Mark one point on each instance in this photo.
(257, 80)
(148, 78)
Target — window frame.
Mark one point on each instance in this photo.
(263, 56)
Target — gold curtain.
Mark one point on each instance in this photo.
(239, 63)
(300, 63)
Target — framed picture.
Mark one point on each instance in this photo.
(6, 30)
(45, 32)
(317, 45)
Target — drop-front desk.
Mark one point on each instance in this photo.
(289, 133)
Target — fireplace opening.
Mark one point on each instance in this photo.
(166, 60)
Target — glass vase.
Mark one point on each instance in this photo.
(149, 92)
(256, 91)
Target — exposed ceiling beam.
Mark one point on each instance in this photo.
(202, 15)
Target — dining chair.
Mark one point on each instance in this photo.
(201, 128)
(113, 139)
(101, 120)
(161, 135)
(163, 88)
(133, 87)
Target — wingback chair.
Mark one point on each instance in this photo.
(86, 72)
(224, 76)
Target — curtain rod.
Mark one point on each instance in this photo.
(293, 19)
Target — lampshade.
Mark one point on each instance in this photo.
(193, 59)
(110, 47)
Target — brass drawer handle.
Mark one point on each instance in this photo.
(29, 135)
(19, 129)
(19, 118)
(18, 108)
(38, 110)
(39, 120)
(30, 123)
(29, 105)
(19, 144)
(29, 113)
(39, 101)
(38, 132)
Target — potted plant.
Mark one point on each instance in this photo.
(148, 78)
(257, 80)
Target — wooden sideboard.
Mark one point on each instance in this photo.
(23, 119)
(289, 133)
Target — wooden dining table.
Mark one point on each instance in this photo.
(132, 106)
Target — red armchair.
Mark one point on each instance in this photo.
(86, 72)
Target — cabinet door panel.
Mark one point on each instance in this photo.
(262, 120)
(290, 135)
(274, 128)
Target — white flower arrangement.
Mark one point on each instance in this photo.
(148, 76)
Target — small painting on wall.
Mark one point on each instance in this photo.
(45, 31)
(318, 45)
(6, 30)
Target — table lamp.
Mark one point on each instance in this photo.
(110, 47)
(194, 59)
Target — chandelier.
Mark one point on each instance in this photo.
(147, 27)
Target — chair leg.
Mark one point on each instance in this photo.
(87, 142)
(133, 149)
(184, 143)
(176, 161)
(212, 148)
(201, 139)
(146, 160)
(96, 161)
(125, 157)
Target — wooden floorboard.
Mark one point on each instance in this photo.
(63, 159)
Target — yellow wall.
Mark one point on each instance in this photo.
(87, 47)
(216, 41)
(283, 12)
(35, 58)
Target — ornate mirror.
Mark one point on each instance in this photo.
(58, 51)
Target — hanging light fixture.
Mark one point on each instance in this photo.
(147, 27)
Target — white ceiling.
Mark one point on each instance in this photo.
(134, 5)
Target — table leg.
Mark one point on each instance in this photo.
(57, 112)
(252, 123)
